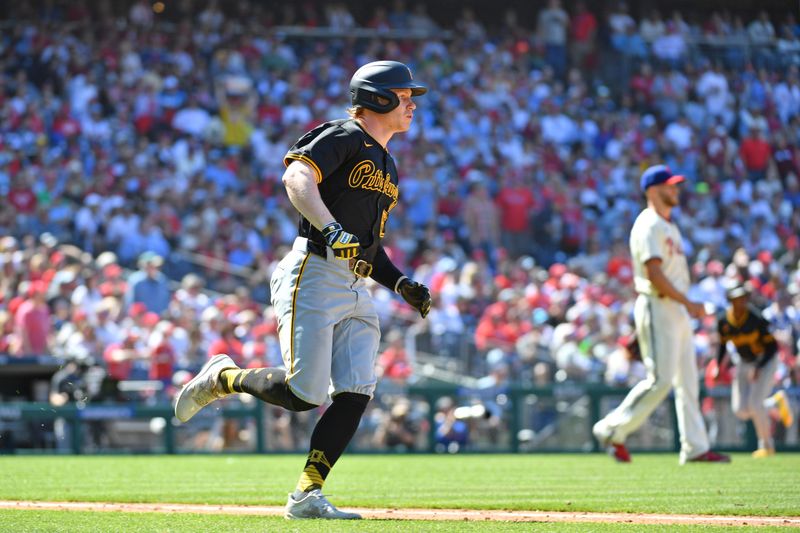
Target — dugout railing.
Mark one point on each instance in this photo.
(559, 418)
(19, 421)
(547, 419)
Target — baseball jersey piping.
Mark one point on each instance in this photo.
(308, 161)
(294, 310)
(652, 352)
(652, 337)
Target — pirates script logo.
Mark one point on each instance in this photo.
(365, 176)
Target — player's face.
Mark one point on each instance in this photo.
(670, 194)
(739, 305)
(401, 116)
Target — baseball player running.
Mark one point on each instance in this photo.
(342, 179)
(743, 326)
(662, 315)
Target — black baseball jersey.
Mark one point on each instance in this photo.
(750, 335)
(358, 184)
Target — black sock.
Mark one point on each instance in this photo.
(330, 438)
(267, 384)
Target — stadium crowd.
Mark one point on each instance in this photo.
(141, 156)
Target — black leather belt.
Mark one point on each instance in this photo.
(357, 266)
(316, 248)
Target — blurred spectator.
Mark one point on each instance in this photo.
(190, 295)
(120, 357)
(32, 322)
(452, 434)
(482, 221)
(494, 329)
(80, 381)
(227, 342)
(670, 48)
(624, 366)
(680, 134)
(712, 86)
(397, 431)
(619, 20)
(652, 26)
(149, 285)
(515, 202)
(7, 341)
(192, 118)
(583, 31)
(551, 29)
(236, 106)
(393, 361)
(762, 34)
(755, 153)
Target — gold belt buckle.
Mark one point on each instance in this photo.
(361, 268)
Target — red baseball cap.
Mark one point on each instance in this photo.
(112, 271)
(37, 287)
(150, 319)
(136, 309)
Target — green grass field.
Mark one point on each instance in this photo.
(72, 521)
(653, 483)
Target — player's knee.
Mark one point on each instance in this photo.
(354, 401)
(754, 408)
(742, 413)
(661, 388)
(297, 404)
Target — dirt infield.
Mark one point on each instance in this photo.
(417, 514)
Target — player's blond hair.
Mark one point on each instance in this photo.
(355, 112)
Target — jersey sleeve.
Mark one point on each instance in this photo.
(721, 327)
(723, 339)
(384, 271)
(651, 243)
(324, 149)
(767, 340)
(764, 328)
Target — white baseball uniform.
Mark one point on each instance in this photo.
(665, 337)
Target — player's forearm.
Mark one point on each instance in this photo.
(665, 287)
(722, 350)
(303, 192)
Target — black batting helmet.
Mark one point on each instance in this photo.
(377, 79)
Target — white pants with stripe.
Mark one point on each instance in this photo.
(747, 398)
(327, 326)
(665, 339)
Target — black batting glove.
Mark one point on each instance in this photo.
(416, 295)
(345, 245)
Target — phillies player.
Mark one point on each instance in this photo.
(662, 314)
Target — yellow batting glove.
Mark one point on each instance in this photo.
(344, 245)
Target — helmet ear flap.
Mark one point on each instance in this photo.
(369, 97)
